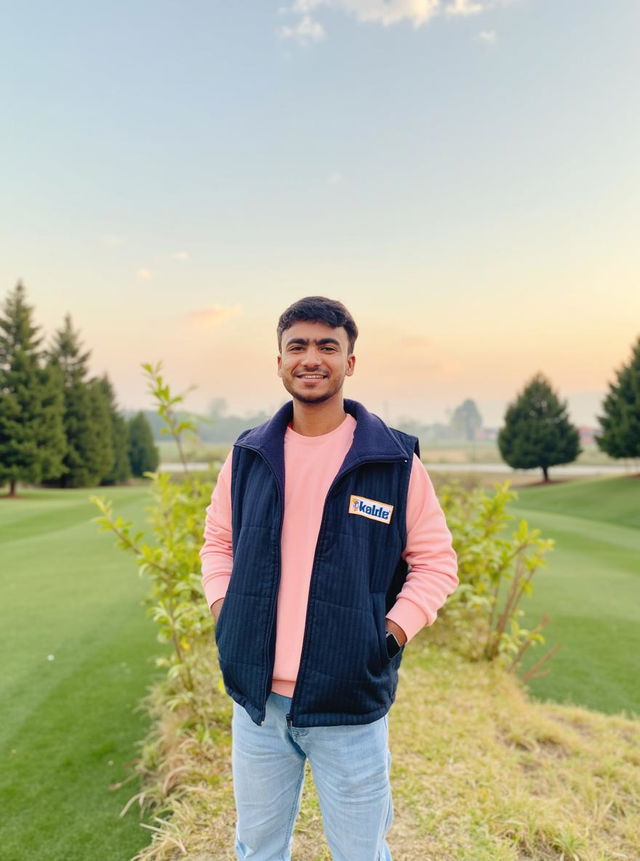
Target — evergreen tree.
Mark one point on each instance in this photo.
(537, 431)
(620, 423)
(87, 422)
(143, 453)
(101, 421)
(120, 471)
(32, 441)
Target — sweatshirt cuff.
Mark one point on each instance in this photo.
(216, 589)
(408, 616)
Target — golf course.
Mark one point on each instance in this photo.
(78, 651)
(77, 658)
(590, 590)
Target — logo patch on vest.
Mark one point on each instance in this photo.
(370, 508)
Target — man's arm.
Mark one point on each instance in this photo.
(217, 551)
(432, 560)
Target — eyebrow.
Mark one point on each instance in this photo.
(318, 341)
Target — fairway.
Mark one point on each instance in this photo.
(590, 589)
(77, 658)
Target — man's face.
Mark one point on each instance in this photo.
(313, 362)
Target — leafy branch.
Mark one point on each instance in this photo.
(165, 407)
(168, 553)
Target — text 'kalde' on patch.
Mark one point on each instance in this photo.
(370, 508)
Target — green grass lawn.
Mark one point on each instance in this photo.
(590, 589)
(76, 659)
(68, 724)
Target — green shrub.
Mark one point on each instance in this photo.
(169, 556)
(495, 569)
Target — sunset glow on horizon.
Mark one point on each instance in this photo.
(466, 181)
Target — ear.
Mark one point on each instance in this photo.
(279, 361)
(351, 363)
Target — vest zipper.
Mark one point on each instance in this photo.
(305, 640)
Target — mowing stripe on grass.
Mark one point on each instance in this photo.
(591, 591)
(77, 651)
(606, 500)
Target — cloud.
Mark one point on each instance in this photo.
(473, 7)
(488, 36)
(214, 314)
(304, 31)
(143, 274)
(181, 256)
(385, 12)
(466, 7)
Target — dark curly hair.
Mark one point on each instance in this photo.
(319, 309)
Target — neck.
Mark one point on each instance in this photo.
(317, 419)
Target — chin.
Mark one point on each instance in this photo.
(312, 399)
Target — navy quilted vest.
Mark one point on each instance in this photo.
(345, 674)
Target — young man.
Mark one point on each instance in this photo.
(325, 552)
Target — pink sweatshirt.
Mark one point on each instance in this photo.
(313, 461)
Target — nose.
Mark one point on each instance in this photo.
(311, 358)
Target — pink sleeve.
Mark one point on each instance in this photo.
(217, 551)
(432, 560)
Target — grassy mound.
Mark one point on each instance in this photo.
(480, 773)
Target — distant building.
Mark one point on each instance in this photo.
(587, 435)
(486, 434)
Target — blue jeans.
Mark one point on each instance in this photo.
(350, 766)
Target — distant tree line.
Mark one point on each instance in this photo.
(216, 427)
(62, 428)
(537, 432)
(58, 426)
(465, 424)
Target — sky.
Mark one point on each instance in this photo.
(462, 174)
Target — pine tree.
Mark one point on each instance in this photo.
(87, 422)
(32, 440)
(537, 431)
(143, 453)
(101, 421)
(120, 471)
(620, 423)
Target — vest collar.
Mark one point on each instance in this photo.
(372, 439)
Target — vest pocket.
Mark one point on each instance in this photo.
(241, 629)
(347, 671)
(379, 613)
(342, 642)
